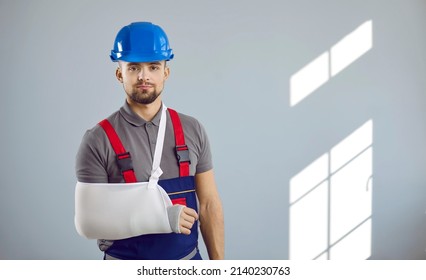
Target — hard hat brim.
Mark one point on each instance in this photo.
(139, 58)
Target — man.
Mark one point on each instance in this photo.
(124, 149)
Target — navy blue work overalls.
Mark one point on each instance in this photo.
(181, 190)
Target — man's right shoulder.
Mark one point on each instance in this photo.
(93, 155)
(96, 133)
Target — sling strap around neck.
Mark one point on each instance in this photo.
(124, 160)
(156, 171)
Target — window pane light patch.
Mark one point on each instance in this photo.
(352, 145)
(308, 224)
(308, 211)
(351, 195)
(309, 78)
(310, 177)
(331, 201)
(352, 47)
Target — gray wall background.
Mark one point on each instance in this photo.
(233, 63)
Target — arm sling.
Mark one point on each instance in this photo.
(118, 211)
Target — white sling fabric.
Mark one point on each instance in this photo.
(118, 211)
(156, 171)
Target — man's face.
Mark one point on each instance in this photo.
(143, 82)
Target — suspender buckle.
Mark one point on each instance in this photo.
(124, 162)
(182, 154)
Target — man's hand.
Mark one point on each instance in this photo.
(188, 216)
(181, 218)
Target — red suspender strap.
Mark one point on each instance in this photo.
(182, 151)
(123, 158)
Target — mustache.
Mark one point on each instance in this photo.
(144, 84)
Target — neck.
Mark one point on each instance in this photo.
(145, 111)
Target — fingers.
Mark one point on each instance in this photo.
(187, 219)
(190, 213)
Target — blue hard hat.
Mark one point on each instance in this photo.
(141, 42)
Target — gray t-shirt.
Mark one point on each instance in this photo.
(96, 159)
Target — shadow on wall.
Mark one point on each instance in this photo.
(330, 207)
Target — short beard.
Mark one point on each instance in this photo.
(144, 98)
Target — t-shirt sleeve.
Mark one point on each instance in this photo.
(205, 162)
(90, 166)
